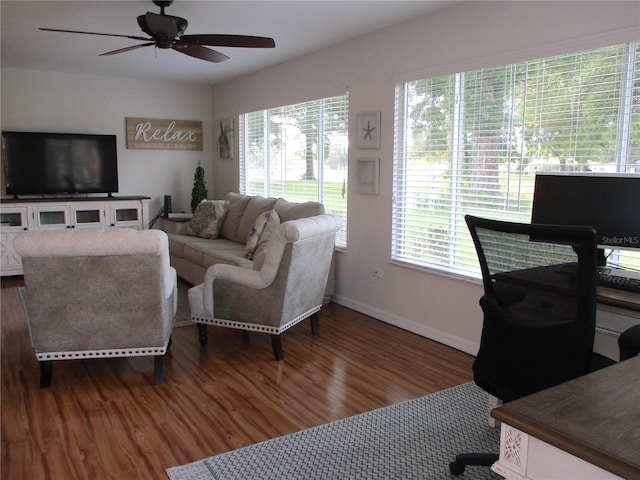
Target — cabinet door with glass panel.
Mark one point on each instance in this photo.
(88, 216)
(125, 215)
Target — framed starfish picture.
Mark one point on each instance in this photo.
(368, 129)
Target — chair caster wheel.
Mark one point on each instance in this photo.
(456, 468)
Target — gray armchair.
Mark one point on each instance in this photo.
(98, 293)
(286, 285)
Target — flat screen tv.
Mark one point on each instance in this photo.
(38, 163)
(610, 203)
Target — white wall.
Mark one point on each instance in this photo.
(71, 103)
(460, 37)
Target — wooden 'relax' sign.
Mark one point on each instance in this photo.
(163, 134)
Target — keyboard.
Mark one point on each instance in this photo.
(614, 278)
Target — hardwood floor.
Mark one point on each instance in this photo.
(103, 418)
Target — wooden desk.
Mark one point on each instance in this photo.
(616, 311)
(619, 298)
(586, 428)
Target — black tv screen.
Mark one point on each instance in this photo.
(610, 203)
(51, 163)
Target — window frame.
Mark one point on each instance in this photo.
(327, 110)
(450, 264)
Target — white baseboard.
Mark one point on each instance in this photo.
(420, 329)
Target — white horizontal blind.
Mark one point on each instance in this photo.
(470, 143)
(298, 152)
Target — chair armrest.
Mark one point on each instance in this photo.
(171, 287)
(170, 226)
(230, 273)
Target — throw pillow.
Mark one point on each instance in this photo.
(207, 219)
(256, 206)
(265, 221)
(272, 224)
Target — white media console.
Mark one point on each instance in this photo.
(34, 215)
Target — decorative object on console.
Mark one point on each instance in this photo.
(368, 130)
(163, 134)
(167, 31)
(368, 175)
(167, 205)
(199, 191)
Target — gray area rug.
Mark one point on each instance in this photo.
(411, 440)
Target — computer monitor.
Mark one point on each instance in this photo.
(610, 203)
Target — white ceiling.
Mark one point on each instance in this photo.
(298, 27)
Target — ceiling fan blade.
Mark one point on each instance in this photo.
(200, 52)
(127, 49)
(246, 41)
(132, 37)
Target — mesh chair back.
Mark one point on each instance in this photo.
(539, 305)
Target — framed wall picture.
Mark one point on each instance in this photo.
(226, 139)
(368, 129)
(368, 175)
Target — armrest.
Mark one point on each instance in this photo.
(231, 273)
(171, 287)
(172, 226)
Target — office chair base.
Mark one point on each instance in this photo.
(463, 459)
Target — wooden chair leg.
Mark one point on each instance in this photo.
(202, 333)
(276, 344)
(158, 363)
(315, 324)
(46, 372)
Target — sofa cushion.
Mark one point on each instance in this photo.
(177, 243)
(237, 205)
(293, 211)
(262, 227)
(207, 219)
(256, 206)
(205, 253)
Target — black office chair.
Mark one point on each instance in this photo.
(629, 343)
(539, 308)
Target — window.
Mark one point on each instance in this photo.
(298, 152)
(471, 143)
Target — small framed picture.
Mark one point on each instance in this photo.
(368, 126)
(368, 175)
(225, 138)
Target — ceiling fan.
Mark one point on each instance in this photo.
(166, 31)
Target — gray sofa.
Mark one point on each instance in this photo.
(191, 255)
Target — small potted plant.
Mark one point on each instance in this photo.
(199, 191)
